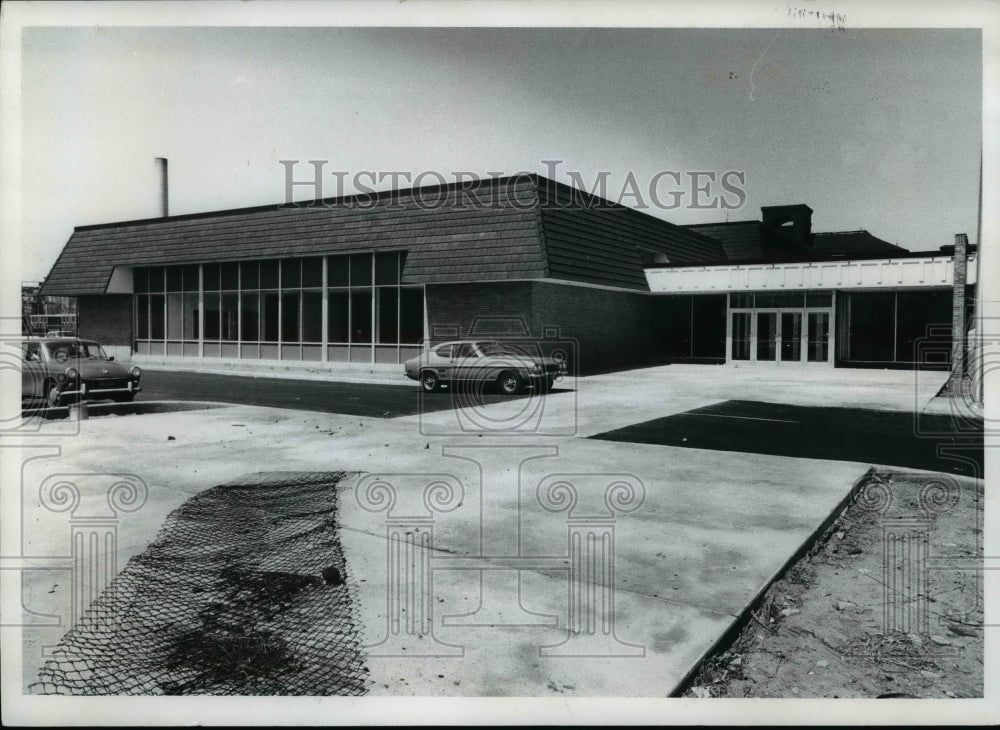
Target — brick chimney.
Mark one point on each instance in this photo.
(959, 278)
(793, 221)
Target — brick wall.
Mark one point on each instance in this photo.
(106, 318)
(607, 329)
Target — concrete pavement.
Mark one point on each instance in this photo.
(709, 534)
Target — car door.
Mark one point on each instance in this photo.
(441, 361)
(466, 361)
(32, 370)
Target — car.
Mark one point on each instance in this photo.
(511, 366)
(61, 369)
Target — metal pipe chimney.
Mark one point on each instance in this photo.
(161, 168)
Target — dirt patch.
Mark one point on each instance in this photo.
(888, 603)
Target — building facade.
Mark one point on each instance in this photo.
(368, 279)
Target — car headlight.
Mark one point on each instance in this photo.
(135, 372)
(61, 378)
(72, 373)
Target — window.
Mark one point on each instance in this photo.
(444, 351)
(361, 316)
(466, 350)
(32, 352)
(339, 327)
(284, 300)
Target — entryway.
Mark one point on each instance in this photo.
(780, 335)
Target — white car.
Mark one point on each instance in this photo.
(509, 365)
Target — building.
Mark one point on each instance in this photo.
(366, 279)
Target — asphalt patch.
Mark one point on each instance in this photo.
(931, 441)
(351, 399)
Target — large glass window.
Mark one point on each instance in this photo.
(339, 323)
(290, 316)
(361, 316)
(312, 316)
(283, 300)
(250, 317)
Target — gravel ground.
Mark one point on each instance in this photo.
(831, 628)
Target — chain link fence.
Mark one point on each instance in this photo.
(242, 592)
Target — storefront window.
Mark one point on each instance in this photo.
(283, 301)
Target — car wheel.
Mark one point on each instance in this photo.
(510, 382)
(549, 382)
(429, 381)
(54, 396)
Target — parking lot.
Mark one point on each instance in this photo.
(713, 522)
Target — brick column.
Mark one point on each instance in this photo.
(958, 311)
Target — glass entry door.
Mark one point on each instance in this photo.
(791, 336)
(780, 336)
(819, 337)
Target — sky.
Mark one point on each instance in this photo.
(873, 129)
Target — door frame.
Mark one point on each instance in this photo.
(804, 312)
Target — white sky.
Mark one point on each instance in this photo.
(874, 129)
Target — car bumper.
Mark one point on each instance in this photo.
(84, 392)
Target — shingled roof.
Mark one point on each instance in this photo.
(521, 227)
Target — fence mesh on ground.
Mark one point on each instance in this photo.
(242, 592)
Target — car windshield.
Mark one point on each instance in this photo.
(498, 348)
(63, 351)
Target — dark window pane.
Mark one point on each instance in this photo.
(212, 279)
(870, 327)
(338, 327)
(411, 322)
(819, 299)
(388, 315)
(175, 316)
(230, 314)
(709, 326)
(312, 272)
(156, 302)
(290, 316)
(190, 316)
(780, 299)
(156, 279)
(918, 316)
(250, 275)
(336, 274)
(191, 277)
(140, 280)
(767, 335)
(175, 278)
(269, 316)
(361, 269)
(211, 316)
(291, 273)
(230, 276)
(269, 274)
(250, 317)
(672, 325)
(361, 316)
(312, 316)
(742, 300)
(142, 317)
(387, 268)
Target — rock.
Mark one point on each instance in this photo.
(702, 692)
(927, 674)
(940, 640)
(949, 693)
(332, 576)
(843, 605)
(822, 663)
(916, 639)
(840, 535)
(171, 438)
(786, 612)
